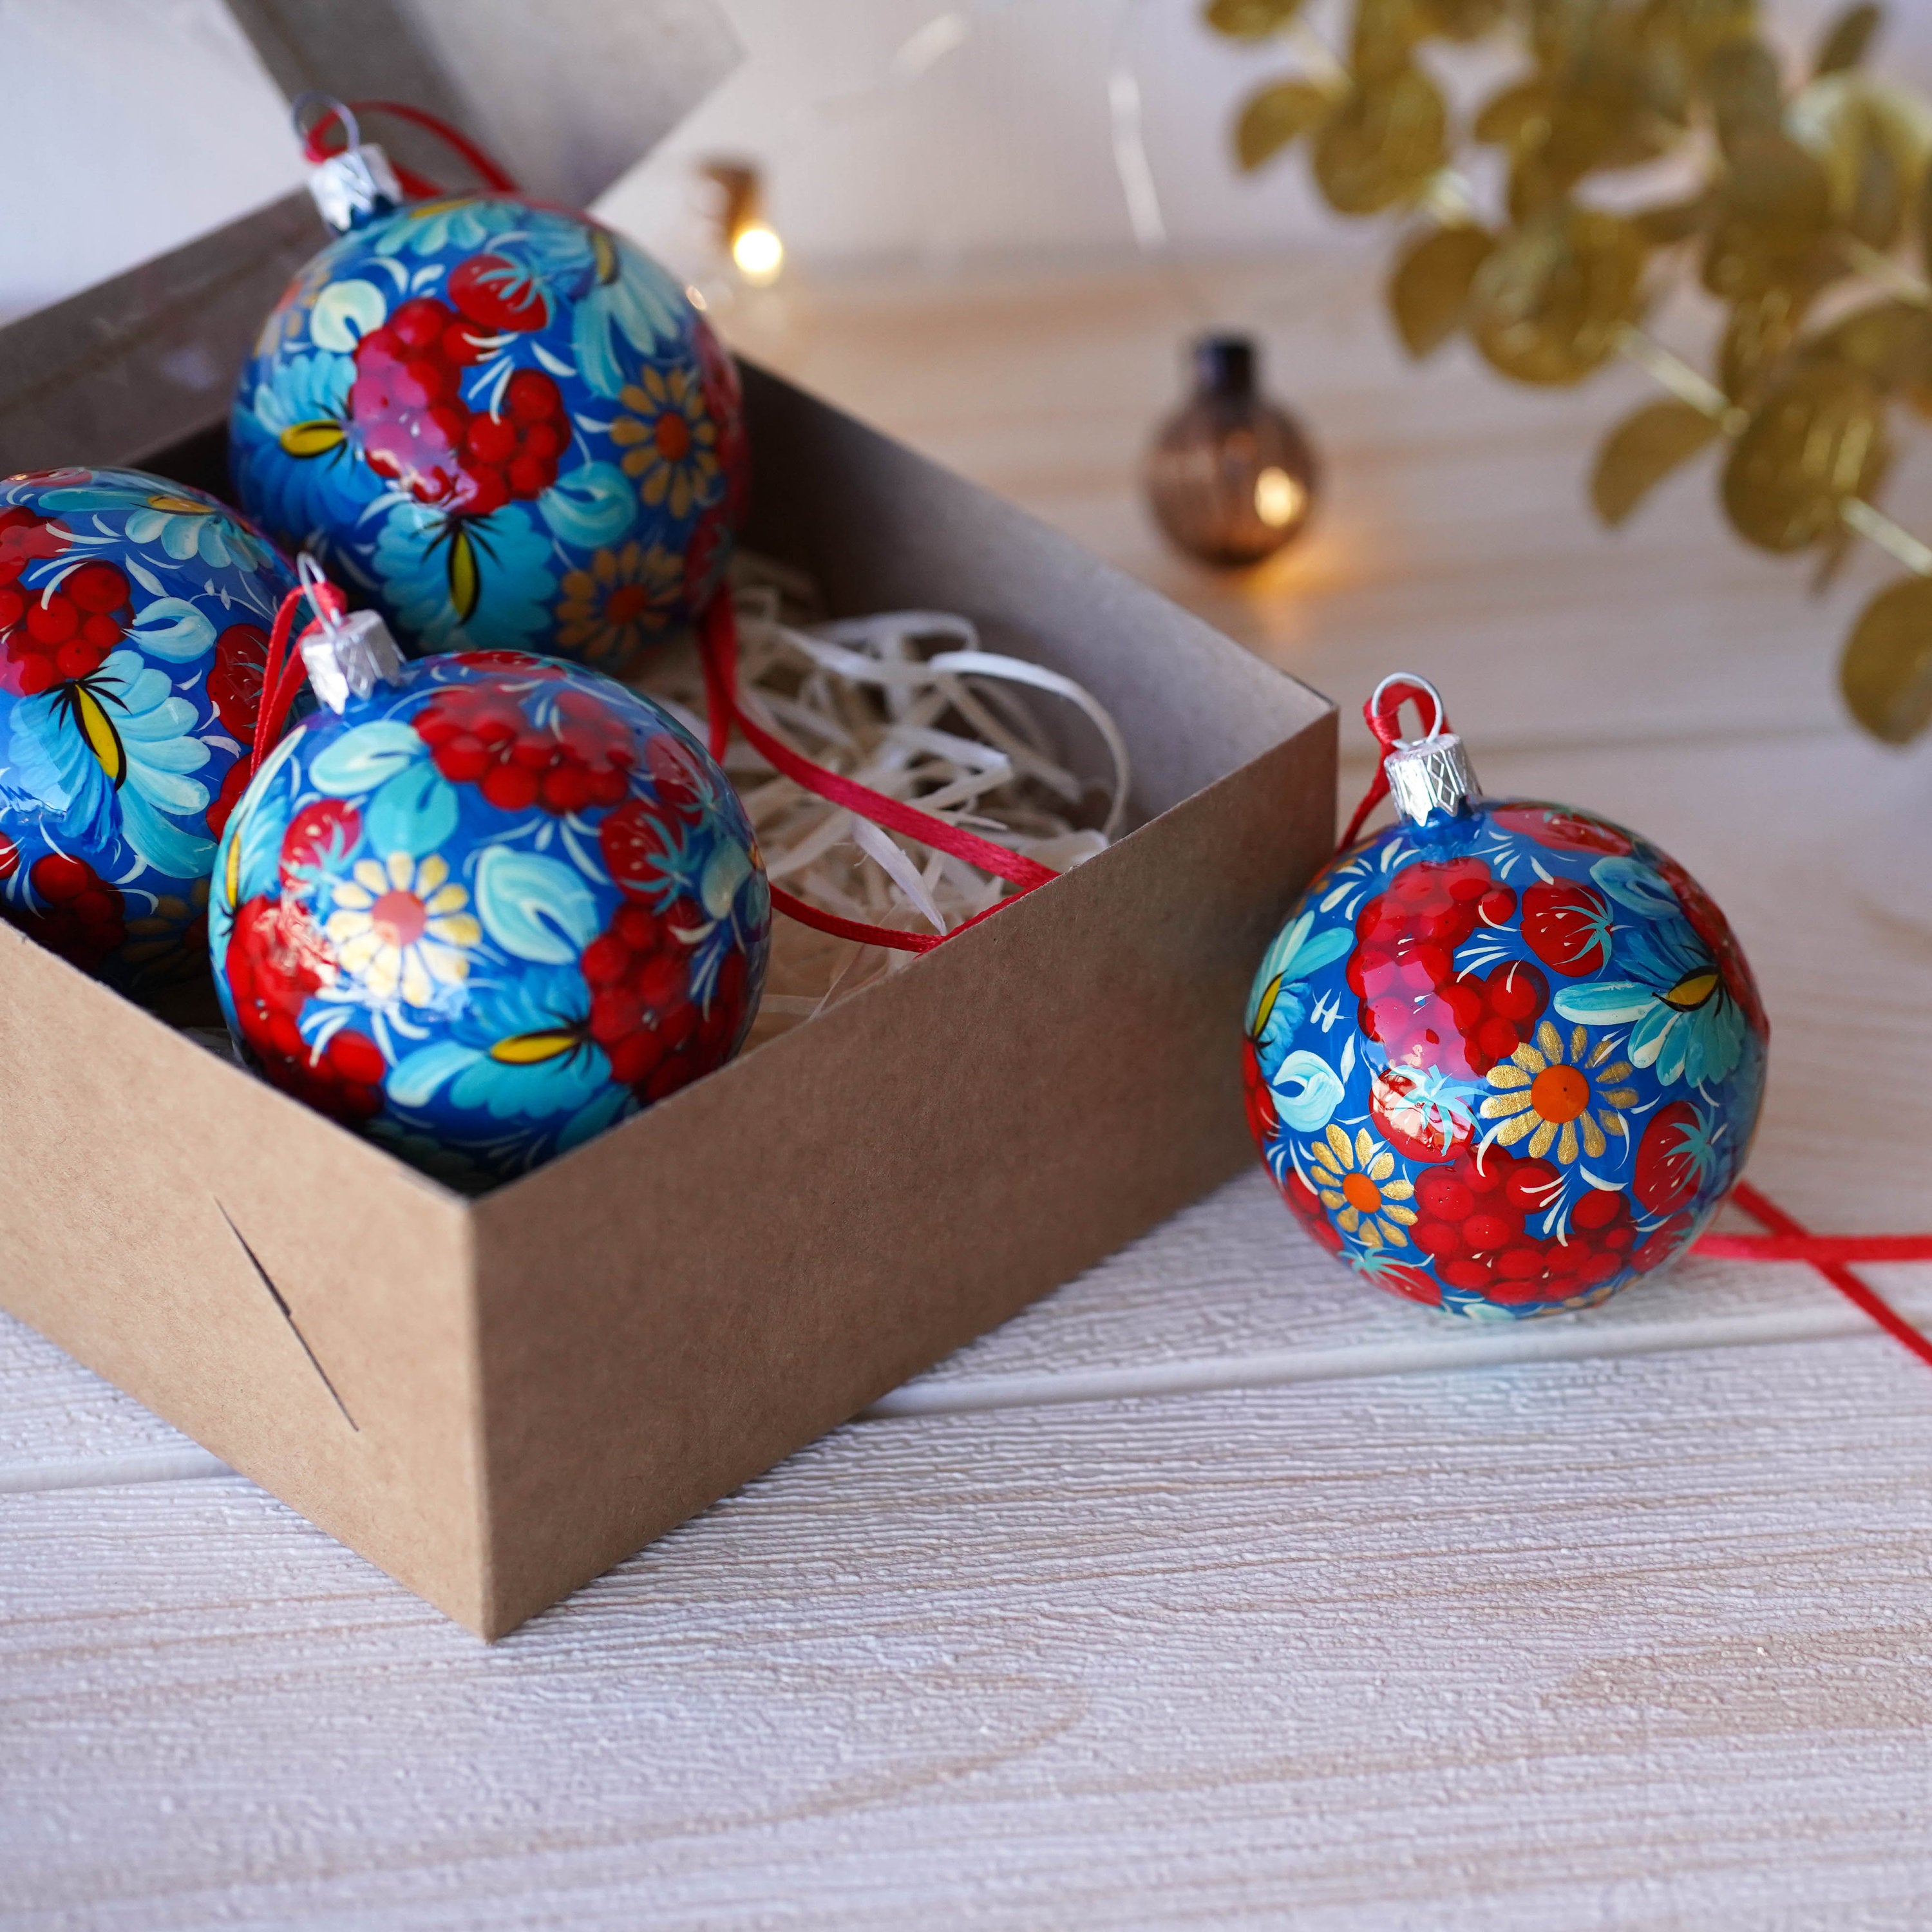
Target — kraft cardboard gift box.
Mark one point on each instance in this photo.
(496, 1399)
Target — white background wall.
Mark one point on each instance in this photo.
(130, 125)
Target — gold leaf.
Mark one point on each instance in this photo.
(1642, 451)
(1384, 36)
(1847, 38)
(1276, 116)
(1464, 20)
(1519, 113)
(1886, 671)
(1759, 331)
(1818, 438)
(1888, 343)
(1772, 218)
(1382, 145)
(1250, 19)
(1746, 94)
(1547, 304)
(1671, 222)
(1428, 290)
(1700, 26)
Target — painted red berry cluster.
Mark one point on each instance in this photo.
(1402, 971)
(1480, 1220)
(656, 1037)
(480, 735)
(276, 958)
(406, 400)
(77, 912)
(64, 633)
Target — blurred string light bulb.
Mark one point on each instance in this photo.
(745, 235)
(1230, 477)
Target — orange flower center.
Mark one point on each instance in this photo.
(1559, 1094)
(1359, 1191)
(398, 918)
(624, 603)
(672, 436)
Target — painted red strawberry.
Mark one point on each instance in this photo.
(241, 657)
(1673, 1159)
(1262, 1118)
(1563, 830)
(495, 292)
(1567, 926)
(321, 832)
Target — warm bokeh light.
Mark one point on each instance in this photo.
(1278, 497)
(758, 253)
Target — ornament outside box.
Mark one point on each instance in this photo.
(496, 1399)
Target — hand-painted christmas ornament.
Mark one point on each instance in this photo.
(501, 425)
(483, 905)
(134, 613)
(1505, 1057)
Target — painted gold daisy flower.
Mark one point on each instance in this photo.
(1564, 1095)
(608, 612)
(1353, 1180)
(669, 444)
(404, 927)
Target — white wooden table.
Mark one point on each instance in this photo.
(1214, 1589)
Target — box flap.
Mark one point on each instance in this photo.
(567, 94)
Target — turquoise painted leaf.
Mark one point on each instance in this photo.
(535, 908)
(363, 758)
(591, 507)
(172, 628)
(413, 812)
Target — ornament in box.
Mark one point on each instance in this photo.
(483, 905)
(1505, 1057)
(134, 618)
(502, 425)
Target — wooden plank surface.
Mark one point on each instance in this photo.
(1214, 1587)
(1633, 1643)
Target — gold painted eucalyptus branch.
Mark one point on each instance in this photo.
(1808, 217)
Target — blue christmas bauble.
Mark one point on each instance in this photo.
(134, 621)
(488, 911)
(502, 426)
(1505, 1060)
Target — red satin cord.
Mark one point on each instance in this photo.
(1384, 720)
(419, 187)
(1787, 1240)
(283, 670)
(718, 637)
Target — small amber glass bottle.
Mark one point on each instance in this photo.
(1230, 476)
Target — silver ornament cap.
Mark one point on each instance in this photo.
(1428, 775)
(346, 656)
(355, 185)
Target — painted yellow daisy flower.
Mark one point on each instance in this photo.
(1352, 1179)
(609, 612)
(669, 444)
(404, 927)
(1560, 1094)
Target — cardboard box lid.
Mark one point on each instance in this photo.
(566, 94)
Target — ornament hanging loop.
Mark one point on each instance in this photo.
(1385, 706)
(1429, 776)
